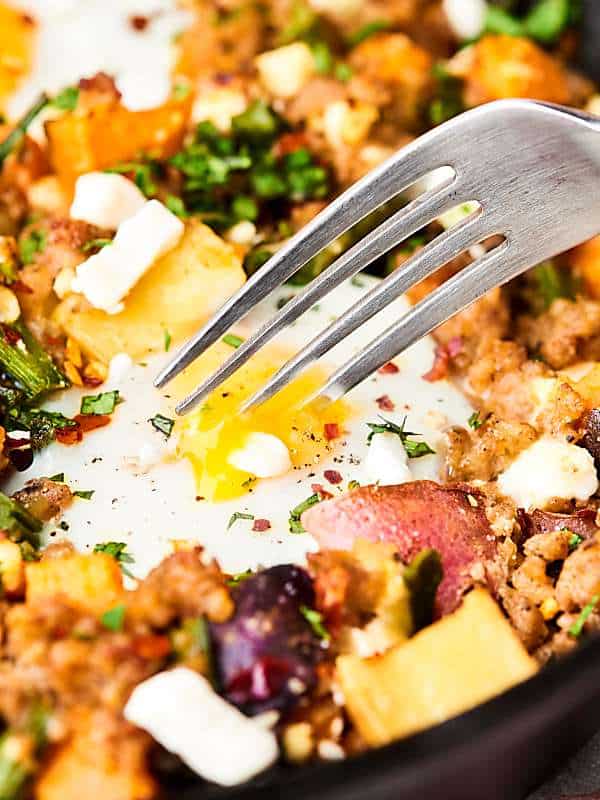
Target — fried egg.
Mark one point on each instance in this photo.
(154, 492)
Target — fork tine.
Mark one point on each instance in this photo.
(493, 269)
(382, 184)
(434, 255)
(399, 226)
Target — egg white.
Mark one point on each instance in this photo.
(144, 498)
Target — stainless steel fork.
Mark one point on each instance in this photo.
(533, 169)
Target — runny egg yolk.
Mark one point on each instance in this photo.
(16, 46)
(208, 435)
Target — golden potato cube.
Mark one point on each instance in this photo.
(589, 386)
(92, 583)
(585, 260)
(447, 668)
(176, 295)
(12, 574)
(17, 32)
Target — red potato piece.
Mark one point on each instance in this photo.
(413, 516)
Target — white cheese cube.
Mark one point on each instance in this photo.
(105, 199)
(219, 105)
(549, 468)
(263, 455)
(286, 70)
(466, 17)
(108, 276)
(387, 462)
(182, 712)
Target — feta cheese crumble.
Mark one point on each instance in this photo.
(263, 455)
(548, 469)
(107, 277)
(105, 199)
(386, 462)
(182, 712)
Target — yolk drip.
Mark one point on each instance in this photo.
(16, 44)
(209, 434)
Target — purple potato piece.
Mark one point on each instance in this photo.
(590, 440)
(582, 522)
(265, 655)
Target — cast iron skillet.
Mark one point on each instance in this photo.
(499, 751)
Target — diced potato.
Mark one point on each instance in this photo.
(585, 260)
(286, 70)
(12, 574)
(92, 583)
(177, 294)
(85, 767)
(112, 134)
(449, 667)
(17, 32)
(589, 386)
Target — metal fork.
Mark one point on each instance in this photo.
(532, 168)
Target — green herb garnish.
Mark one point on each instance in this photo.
(118, 550)
(574, 541)
(84, 494)
(240, 577)
(16, 520)
(167, 340)
(577, 627)
(548, 19)
(413, 449)
(95, 244)
(353, 485)
(114, 618)
(41, 424)
(368, 30)
(238, 515)
(16, 136)
(29, 246)
(295, 524)
(67, 99)
(28, 363)
(162, 424)
(315, 620)
(232, 340)
(176, 206)
(104, 403)
(422, 577)
(475, 421)
(553, 283)
(143, 174)
(58, 478)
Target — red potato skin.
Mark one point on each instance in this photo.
(413, 516)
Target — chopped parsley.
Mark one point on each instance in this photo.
(240, 577)
(16, 520)
(296, 513)
(475, 421)
(143, 175)
(16, 136)
(574, 540)
(315, 620)
(114, 618)
(95, 244)
(67, 99)
(181, 91)
(353, 485)
(104, 403)
(544, 22)
(232, 340)
(30, 245)
(368, 30)
(162, 424)
(343, 72)
(84, 494)
(413, 449)
(118, 550)
(41, 424)
(553, 282)
(577, 627)
(176, 206)
(167, 340)
(58, 478)
(238, 515)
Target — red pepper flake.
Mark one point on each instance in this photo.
(317, 488)
(385, 403)
(441, 364)
(261, 525)
(333, 476)
(388, 369)
(12, 337)
(70, 434)
(331, 431)
(89, 422)
(151, 647)
(138, 22)
(21, 286)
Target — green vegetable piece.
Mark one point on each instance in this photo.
(553, 283)
(295, 524)
(475, 421)
(28, 363)
(84, 494)
(577, 627)
(16, 136)
(95, 244)
(498, 20)
(232, 340)
(162, 424)
(104, 403)
(413, 449)
(17, 521)
(315, 620)
(238, 515)
(547, 20)
(181, 91)
(422, 577)
(30, 245)
(13, 773)
(118, 550)
(323, 57)
(343, 72)
(235, 580)
(114, 618)
(574, 541)
(244, 207)
(302, 20)
(258, 122)
(176, 206)
(67, 99)
(143, 175)
(368, 30)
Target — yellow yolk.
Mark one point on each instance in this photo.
(208, 435)
(16, 44)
